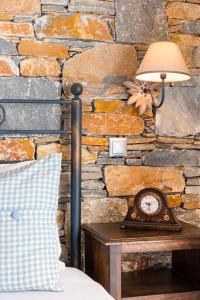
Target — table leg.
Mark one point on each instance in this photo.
(115, 272)
(97, 261)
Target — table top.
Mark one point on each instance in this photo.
(112, 234)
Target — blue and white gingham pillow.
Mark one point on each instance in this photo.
(28, 231)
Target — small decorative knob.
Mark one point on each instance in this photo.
(16, 215)
(76, 89)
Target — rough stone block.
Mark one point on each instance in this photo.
(47, 139)
(186, 146)
(97, 89)
(20, 7)
(92, 6)
(185, 39)
(196, 56)
(91, 175)
(65, 185)
(95, 141)
(17, 150)
(7, 47)
(193, 181)
(172, 158)
(105, 63)
(29, 88)
(187, 52)
(110, 161)
(93, 193)
(141, 147)
(191, 27)
(30, 116)
(140, 21)
(182, 108)
(98, 148)
(112, 124)
(75, 26)
(192, 190)
(6, 17)
(16, 29)
(144, 261)
(135, 154)
(64, 255)
(88, 157)
(24, 19)
(38, 67)
(8, 67)
(191, 217)
(103, 154)
(135, 262)
(44, 49)
(134, 162)
(92, 185)
(128, 180)
(192, 205)
(189, 198)
(193, 1)
(191, 202)
(60, 216)
(141, 140)
(54, 9)
(192, 172)
(117, 106)
(45, 150)
(169, 140)
(103, 210)
(185, 11)
(174, 201)
(55, 2)
(91, 168)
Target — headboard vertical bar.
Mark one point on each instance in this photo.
(76, 126)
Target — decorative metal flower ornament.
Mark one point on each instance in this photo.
(144, 95)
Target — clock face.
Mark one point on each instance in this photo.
(150, 205)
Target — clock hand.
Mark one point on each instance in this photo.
(149, 206)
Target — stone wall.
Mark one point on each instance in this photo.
(45, 45)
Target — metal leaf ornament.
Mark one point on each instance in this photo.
(143, 95)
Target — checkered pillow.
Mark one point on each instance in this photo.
(28, 231)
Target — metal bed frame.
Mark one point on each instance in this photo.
(76, 121)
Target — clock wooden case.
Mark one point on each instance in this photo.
(150, 211)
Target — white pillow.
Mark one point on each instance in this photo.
(28, 230)
(15, 166)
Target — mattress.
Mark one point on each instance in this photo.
(76, 285)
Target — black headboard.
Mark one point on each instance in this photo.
(76, 119)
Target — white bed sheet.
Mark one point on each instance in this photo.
(76, 284)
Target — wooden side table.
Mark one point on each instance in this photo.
(105, 243)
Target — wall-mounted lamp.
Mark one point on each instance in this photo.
(163, 62)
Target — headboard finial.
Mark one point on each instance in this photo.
(76, 89)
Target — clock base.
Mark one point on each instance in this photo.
(147, 226)
(151, 212)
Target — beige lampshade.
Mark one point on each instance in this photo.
(163, 58)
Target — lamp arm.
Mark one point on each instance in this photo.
(163, 77)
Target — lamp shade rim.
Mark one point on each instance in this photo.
(138, 75)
